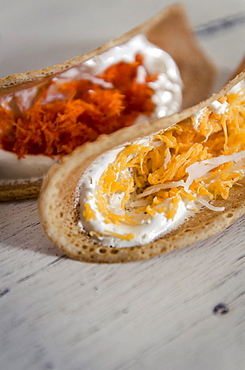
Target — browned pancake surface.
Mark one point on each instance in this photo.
(58, 202)
(170, 30)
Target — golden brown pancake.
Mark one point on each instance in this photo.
(59, 204)
(171, 31)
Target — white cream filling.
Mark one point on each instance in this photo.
(32, 167)
(167, 88)
(167, 96)
(147, 228)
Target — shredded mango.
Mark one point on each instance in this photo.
(154, 175)
(86, 110)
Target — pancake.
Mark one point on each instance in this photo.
(170, 30)
(60, 202)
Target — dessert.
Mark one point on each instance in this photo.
(45, 114)
(131, 196)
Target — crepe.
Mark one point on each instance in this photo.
(239, 68)
(59, 199)
(171, 31)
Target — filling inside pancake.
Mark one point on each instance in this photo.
(129, 83)
(135, 193)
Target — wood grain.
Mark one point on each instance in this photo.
(126, 315)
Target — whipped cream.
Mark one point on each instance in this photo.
(167, 87)
(145, 230)
(13, 169)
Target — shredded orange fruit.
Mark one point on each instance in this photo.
(153, 175)
(86, 110)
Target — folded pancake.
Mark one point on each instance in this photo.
(29, 144)
(134, 195)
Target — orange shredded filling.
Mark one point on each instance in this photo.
(87, 110)
(142, 168)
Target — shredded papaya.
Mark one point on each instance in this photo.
(81, 111)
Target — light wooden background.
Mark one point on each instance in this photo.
(181, 311)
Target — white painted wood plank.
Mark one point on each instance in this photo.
(131, 314)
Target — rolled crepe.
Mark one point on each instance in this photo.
(169, 30)
(217, 179)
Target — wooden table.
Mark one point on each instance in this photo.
(184, 310)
